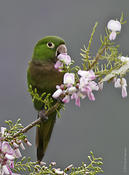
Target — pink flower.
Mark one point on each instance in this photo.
(66, 99)
(72, 89)
(58, 65)
(7, 149)
(69, 78)
(86, 86)
(112, 36)
(7, 156)
(121, 83)
(76, 96)
(65, 58)
(90, 75)
(91, 96)
(114, 26)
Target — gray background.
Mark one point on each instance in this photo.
(101, 126)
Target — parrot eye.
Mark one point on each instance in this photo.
(50, 45)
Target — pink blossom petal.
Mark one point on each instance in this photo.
(117, 83)
(69, 78)
(11, 164)
(22, 146)
(77, 101)
(6, 148)
(9, 156)
(73, 96)
(124, 92)
(58, 65)
(5, 170)
(100, 85)
(112, 35)
(66, 99)
(15, 145)
(93, 85)
(72, 89)
(90, 75)
(3, 130)
(91, 96)
(123, 82)
(18, 153)
(65, 58)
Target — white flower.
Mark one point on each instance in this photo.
(100, 85)
(58, 171)
(121, 83)
(69, 78)
(22, 146)
(114, 26)
(124, 59)
(5, 170)
(72, 89)
(57, 93)
(3, 131)
(121, 71)
(90, 75)
(18, 153)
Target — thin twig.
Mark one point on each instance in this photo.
(37, 121)
(97, 57)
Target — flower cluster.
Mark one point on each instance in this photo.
(63, 60)
(83, 83)
(119, 82)
(76, 88)
(9, 151)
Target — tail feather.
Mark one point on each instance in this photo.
(43, 135)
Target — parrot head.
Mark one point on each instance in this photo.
(48, 48)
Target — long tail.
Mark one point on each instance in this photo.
(43, 134)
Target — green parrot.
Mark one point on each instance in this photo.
(42, 75)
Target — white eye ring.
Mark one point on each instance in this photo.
(50, 45)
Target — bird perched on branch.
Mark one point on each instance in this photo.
(43, 76)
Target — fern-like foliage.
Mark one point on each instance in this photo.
(44, 98)
(93, 168)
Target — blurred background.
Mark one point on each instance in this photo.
(101, 126)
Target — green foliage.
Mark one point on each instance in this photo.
(86, 51)
(44, 98)
(93, 168)
(12, 129)
(107, 57)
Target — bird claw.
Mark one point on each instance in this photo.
(42, 115)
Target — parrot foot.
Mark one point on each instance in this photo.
(42, 115)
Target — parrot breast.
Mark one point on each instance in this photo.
(44, 76)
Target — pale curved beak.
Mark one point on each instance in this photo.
(61, 49)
